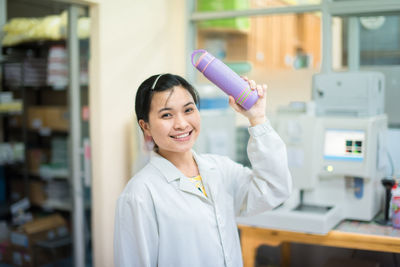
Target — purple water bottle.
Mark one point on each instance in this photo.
(225, 78)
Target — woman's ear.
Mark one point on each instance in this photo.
(145, 127)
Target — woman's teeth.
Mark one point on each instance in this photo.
(181, 136)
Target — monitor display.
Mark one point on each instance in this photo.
(344, 144)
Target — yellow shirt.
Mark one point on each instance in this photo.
(198, 183)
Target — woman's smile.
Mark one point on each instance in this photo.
(182, 137)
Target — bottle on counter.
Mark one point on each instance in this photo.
(395, 206)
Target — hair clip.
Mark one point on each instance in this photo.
(155, 82)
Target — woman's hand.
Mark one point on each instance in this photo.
(256, 114)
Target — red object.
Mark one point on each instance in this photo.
(85, 113)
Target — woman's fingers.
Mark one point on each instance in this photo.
(260, 90)
(264, 87)
(253, 85)
(234, 105)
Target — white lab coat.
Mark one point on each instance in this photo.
(162, 219)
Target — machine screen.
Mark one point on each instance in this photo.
(347, 145)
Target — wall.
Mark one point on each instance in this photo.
(130, 41)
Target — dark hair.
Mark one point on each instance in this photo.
(151, 85)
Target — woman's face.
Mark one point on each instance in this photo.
(174, 121)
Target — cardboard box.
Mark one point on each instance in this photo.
(53, 117)
(37, 193)
(35, 117)
(24, 238)
(56, 118)
(36, 157)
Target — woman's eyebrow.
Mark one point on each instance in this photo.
(164, 109)
(167, 109)
(189, 103)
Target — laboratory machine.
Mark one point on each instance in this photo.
(355, 93)
(336, 160)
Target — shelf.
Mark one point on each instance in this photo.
(10, 113)
(42, 102)
(48, 173)
(41, 44)
(40, 88)
(35, 88)
(48, 131)
(53, 174)
(18, 174)
(49, 178)
(11, 108)
(14, 165)
(10, 59)
(223, 31)
(55, 204)
(41, 132)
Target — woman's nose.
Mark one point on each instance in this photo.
(180, 122)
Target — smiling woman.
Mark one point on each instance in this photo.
(174, 122)
(156, 108)
(180, 209)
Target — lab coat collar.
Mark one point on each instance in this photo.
(168, 169)
(208, 172)
(172, 173)
(202, 164)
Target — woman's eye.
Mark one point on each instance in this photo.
(166, 115)
(188, 110)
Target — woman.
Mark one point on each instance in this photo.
(180, 209)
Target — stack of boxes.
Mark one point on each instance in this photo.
(31, 72)
(57, 67)
(53, 118)
(52, 167)
(23, 248)
(43, 119)
(11, 152)
(8, 104)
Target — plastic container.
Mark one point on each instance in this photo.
(225, 78)
(395, 205)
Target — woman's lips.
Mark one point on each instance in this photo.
(183, 136)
